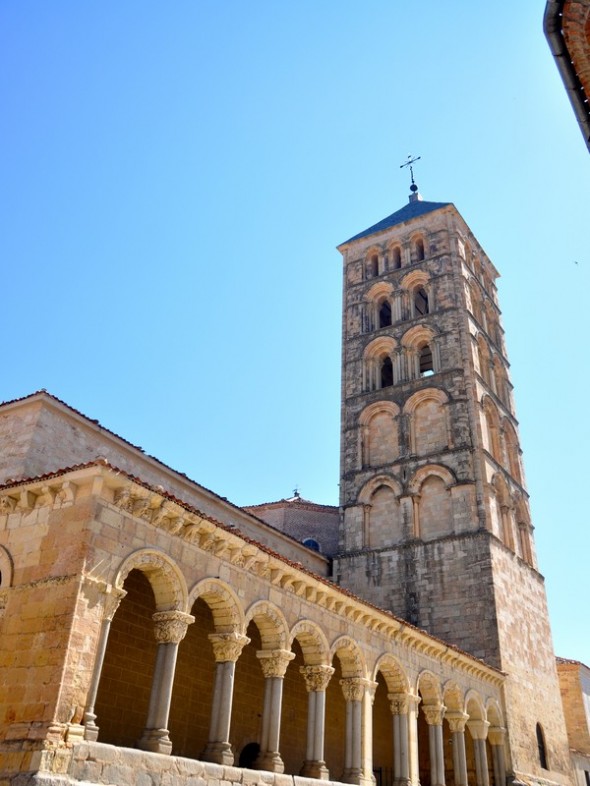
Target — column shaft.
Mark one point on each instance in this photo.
(90, 727)
(459, 758)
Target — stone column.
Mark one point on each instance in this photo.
(400, 705)
(353, 689)
(496, 737)
(169, 630)
(316, 682)
(413, 702)
(367, 777)
(274, 665)
(457, 722)
(434, 718)
(227, 648)
(111, 604)
(479, 732)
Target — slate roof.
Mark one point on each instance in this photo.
(409, 211)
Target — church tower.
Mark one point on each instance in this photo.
(435, 518)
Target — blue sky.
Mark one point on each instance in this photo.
(176, 178)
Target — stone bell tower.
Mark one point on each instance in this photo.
(435, 518)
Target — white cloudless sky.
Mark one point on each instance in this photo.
(175, 178)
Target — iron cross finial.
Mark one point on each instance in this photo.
(409, 163)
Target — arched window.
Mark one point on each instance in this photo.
(419, 250)
(426, 361)
(386, 373)
(312, 543)
(420, 302)
(373, 266)
(385, 314)
(396, 258)
(541, 747)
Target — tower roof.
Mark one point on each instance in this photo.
(409, 211)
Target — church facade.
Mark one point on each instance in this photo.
(151, 632)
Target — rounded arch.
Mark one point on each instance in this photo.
(372, 260)
(271, 624)
(417, 278)
(453, 697)
(474, 305)
(494, 713)
(417, 336)
(372, 485)
(226, 609)
(6, 568)
(434, 394)
(164, 575)
(512, 450)
(483, 356)
(395, 252)
(313, 643)
(474, 706)
(429, 470)
(350, 655)
(379, 347)
(428, 684)
(492, 418)
(378, 408)
(380, 289)
(418, 247)
(395, 677)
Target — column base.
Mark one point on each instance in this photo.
(315, 769)
(270, 761)
(402, 782)
(155, 741)
(352, 775)
(90, 727)
(219, 753)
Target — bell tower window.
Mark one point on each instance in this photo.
(419, 250)
(426, 362)
(421, 302)
(386, 373)
(385, 314)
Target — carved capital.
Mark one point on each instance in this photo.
(274, 662)
(399, 703)
(478, 729)
(170, 626)
(457, 721)
(496, 735)
(227, 646)
(7, 504)
(353, 688)
(316, 677)
(434, 713)
(112, 601)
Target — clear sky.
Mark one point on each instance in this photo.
(176, 176)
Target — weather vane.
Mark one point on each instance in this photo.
(409, 163)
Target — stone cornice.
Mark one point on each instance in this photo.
(133, 497)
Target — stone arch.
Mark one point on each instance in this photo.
(474, 300)
(6, 568)
(512, 450)
(271, 624)
(493, 441)
(433, 512)
(383, 522)
(396, 679)
(225, 607)
(474, 706)
(428, 684)
(483, 357)
(523, 524)
(313, 643)
(378, 353)
(429, 421)
(494, 713)
(418, 289)
(500, 511)
(453, 696)
(418, 247)
(379, 305)
(372, 262)
(350, 655)
(421, 351)
(164, 575)
(380, 433)
(396, 255)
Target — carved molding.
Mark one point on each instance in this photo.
(457, 721)
(399, 703)
(316, 677)
(112, 602)
(274, 662)
(170, 626)
(434, 713)
(227, 646)
(353, 688)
